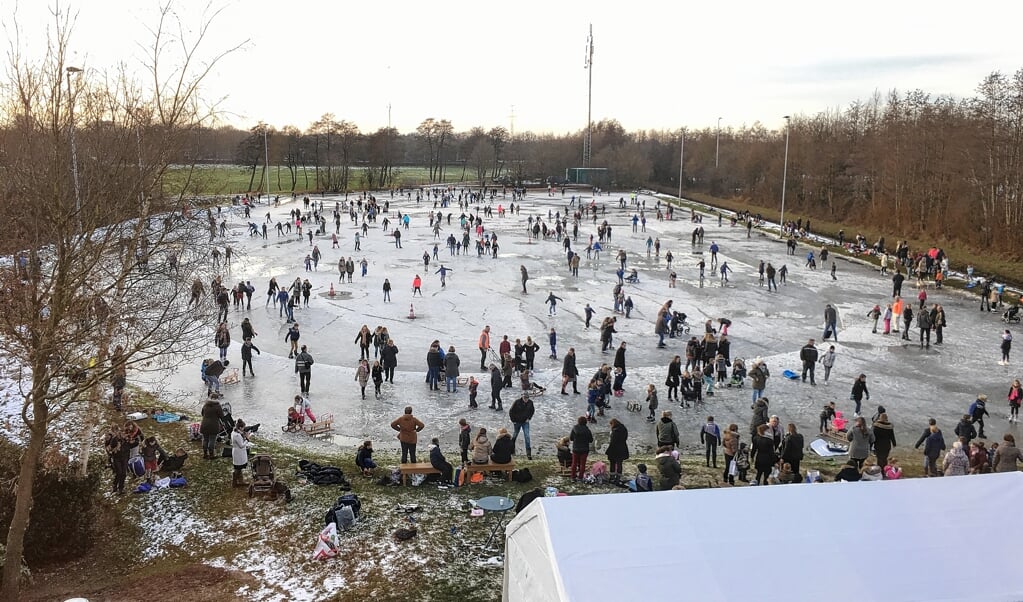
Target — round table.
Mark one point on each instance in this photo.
(495, 506)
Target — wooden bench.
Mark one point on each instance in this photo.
(416, 468)
(323, 426)
(490, 466)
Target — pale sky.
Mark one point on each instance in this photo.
(657, 65)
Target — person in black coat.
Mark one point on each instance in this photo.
(792, 448)
(496, 384)
(520, 413)
(619, 361)
(530, 349)
(581, 437)
(503, 448)
(674, 378)
(617, 449)
(762, 454)
(569, 373)
(884, 439)
(389, 360)
(438, 461)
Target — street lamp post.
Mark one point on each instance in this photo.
(74, 149)
(784, 174)
(681, 162)
(717, 145)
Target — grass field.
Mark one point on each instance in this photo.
(227, 546)
(206, 180)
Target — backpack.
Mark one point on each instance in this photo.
(522, 475)
(352, 500)
(345, 511)
(178, 481)
(395, 476)
(599, 471)
(477, 477)
(644, 482)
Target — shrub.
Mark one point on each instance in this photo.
(63, 518)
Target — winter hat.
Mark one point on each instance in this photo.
(982, 397)
(501, 432)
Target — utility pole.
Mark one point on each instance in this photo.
(681, 162)
(588, 65)
(784, 174)
(512, 118)
(266, 161)
(717, 145)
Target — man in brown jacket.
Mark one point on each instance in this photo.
(408, 427)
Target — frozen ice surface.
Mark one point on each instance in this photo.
(912, 383)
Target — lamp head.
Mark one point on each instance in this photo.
(72, 70)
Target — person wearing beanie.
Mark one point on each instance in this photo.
(643, 480)
(978, 409)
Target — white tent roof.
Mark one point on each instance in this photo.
(952, 538)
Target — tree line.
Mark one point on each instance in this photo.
(935, 167)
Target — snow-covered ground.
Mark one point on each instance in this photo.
(912, 383)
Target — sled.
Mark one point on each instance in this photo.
(789, 374)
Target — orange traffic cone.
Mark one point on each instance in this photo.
(331, 293)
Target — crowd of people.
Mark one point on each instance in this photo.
(772, 450)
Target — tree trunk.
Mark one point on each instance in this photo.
(92, 412)
(23, 496)
(252, 176)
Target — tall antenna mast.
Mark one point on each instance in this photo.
(587, 143)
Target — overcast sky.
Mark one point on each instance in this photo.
(656, 65)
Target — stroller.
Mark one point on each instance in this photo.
(738, 373)
(678, 324)
(1011, 315)
(263, 479)
(227, 423)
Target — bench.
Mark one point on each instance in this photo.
(490, 466)
(416, 468)
(323, 426)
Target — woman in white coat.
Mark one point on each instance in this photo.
(239, 452)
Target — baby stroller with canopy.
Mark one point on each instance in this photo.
(227, 424)
(738, 373)
(1011, 315)
(678, 324)
(263, 479)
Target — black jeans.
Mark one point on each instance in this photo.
(303, 381)
(725, 476)
(712, 452)
(120, 474)
(389, 374)
(408, 449)
(247, 362)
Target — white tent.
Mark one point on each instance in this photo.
(952, 538)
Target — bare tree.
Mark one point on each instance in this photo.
(103, 253)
